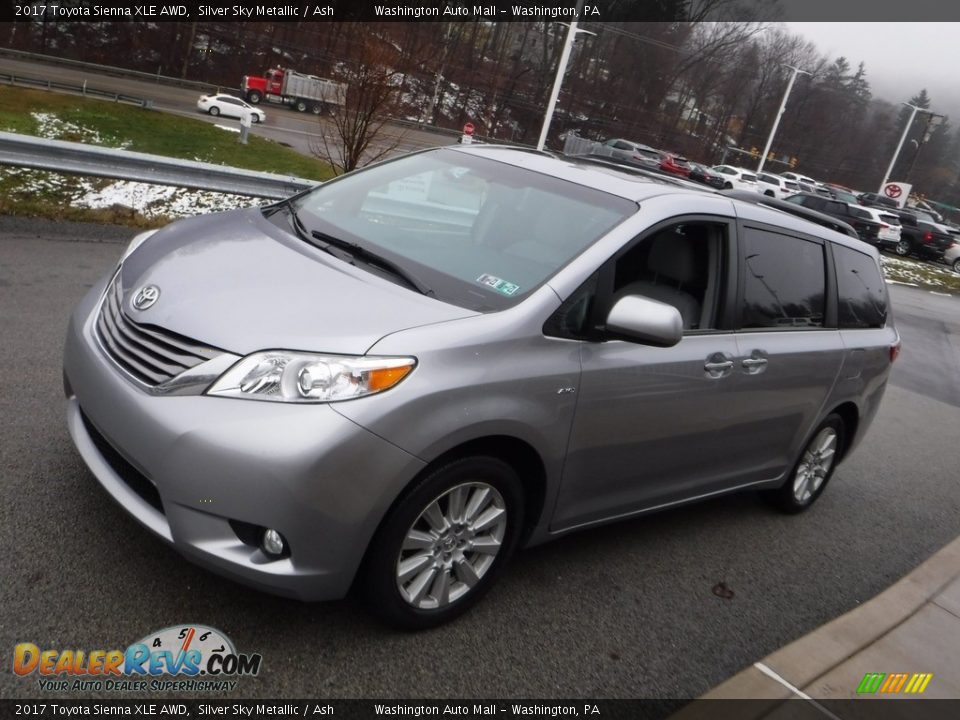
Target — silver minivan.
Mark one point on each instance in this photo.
(393, 381)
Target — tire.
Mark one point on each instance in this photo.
(728, 186)
(316, 109)
(770, 193)
(214, 111)
(301, 106)
(419, 571)
(902, 248)
(254, 118)
(813, 470)
(956, 266)
(253, 97)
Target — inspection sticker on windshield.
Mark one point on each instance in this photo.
(501, 286)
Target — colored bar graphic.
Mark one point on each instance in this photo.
(893, 683)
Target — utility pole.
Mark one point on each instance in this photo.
(561, 71)
(903, 137)
(783, 107)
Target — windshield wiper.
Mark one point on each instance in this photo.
(371, 258)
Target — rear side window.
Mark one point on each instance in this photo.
(784, 281)
(863, 295)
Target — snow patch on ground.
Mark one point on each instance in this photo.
(52, 127)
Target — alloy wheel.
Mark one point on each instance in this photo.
(451, 545)
(814, 466)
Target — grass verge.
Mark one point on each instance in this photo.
(67, 117)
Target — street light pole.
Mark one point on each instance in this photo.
(557, 82)
(903, 137)
(783, 106)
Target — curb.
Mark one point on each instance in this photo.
(782, 675)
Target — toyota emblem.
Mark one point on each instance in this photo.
(146, 296)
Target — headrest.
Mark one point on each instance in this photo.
(673, 256)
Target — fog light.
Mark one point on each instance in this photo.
(272, 543)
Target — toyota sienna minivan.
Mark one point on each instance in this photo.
(393, 381)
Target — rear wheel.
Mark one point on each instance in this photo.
(301, 106)
(443, 545)
(813, 470)
(214, 111)
(316, 108)
(956, 266)
(902, 248)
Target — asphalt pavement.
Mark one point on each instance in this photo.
(622, 611)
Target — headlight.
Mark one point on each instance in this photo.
(135, 243)
(281, 376)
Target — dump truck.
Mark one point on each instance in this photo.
(296, 90)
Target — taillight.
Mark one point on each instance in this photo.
(928, 236)
(894, 351)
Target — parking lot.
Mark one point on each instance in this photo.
(622, 611)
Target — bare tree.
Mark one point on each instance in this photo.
(356, 133)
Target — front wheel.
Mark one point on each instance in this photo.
(301, 106)
(813, 470)
(443, 545)
(956, 266)
(902, 248)
(254, 118)
(728, 186)
(253, 97)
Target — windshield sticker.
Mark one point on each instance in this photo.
(501, 286)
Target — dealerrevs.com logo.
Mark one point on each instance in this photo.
(183, 658)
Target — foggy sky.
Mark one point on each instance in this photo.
(901, 57)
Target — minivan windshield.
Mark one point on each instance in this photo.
(479, 233)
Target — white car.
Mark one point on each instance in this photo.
(889, 222)
(229, 106)
(807, 184)
(736, 178)
(775, 186)
(952, 256)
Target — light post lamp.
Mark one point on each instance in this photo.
(903, 137)
(783, 107)
(561, 71)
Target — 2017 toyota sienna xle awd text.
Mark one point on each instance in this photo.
(393, 381)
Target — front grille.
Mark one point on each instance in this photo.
(134, 479)
(149, 353)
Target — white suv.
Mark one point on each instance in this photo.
(775, 186)
(889, 230)
(736, 178)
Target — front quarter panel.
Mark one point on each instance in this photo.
(490, 375)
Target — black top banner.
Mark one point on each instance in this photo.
(482, 11)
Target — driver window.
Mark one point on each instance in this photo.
(679, 265)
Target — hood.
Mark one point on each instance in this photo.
(238, 282)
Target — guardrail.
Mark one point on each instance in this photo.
(109, 70)
(80, 159)
(83, 89)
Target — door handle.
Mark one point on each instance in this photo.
(755, 364)
(718, 365)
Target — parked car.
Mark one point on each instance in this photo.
(702, 174)
(806, 184)
(868, 229)
(775, 186)
(633, 153)
(921, 237)
(889, 222)
(316, 394)
(843, 194)
(675, 164)
(736, 178)
(952, 256)
(814, 216)
(877, 200)
(229, 106)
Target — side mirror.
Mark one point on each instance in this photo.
(642, 320)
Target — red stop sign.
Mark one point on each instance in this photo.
(893, 191)
(468, 128)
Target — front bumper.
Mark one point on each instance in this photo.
(321, 480)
